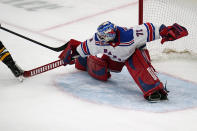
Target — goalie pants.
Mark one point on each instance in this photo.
(138, 65)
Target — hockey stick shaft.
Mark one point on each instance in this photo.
(57, 49)
(43, 68)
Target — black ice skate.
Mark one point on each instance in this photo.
(7, 59)
(16, 70)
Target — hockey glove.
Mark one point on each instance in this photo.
(173, 32)
(70, 53)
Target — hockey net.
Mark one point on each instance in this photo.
(183, 12)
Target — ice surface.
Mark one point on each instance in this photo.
(121, 91)
(40, 104)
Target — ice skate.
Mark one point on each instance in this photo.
(7, 59)
(156, 97)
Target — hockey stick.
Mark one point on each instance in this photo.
(57, 49)
(43, 68)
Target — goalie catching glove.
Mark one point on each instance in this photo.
(173, 32)
(70, 53)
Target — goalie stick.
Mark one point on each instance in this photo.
(43, 68)
(57, 49)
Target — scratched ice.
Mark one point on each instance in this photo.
(121, 91)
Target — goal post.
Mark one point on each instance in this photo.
(140, 19)
(183, 12)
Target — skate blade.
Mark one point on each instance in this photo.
(158, 101)
(20, 78)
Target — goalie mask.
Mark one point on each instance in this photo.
(106, 31)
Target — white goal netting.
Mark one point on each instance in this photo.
(183, 12)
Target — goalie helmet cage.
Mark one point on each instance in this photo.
(183, 12)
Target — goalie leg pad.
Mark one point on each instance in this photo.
(97, 68)
(113, 66)
(81, 63)
(143, 73)
(146, 54)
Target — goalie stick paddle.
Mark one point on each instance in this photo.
(57, 49)
(43, 68)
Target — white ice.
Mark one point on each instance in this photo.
(38, 104)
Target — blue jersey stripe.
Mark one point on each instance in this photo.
(85, 48)
(147, 32)
(153, 31)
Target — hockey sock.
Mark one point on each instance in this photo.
(4, 53)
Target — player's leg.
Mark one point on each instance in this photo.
(113, 66)
(81, 63)
(7, 59)
(98, 68)
(143, 73)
